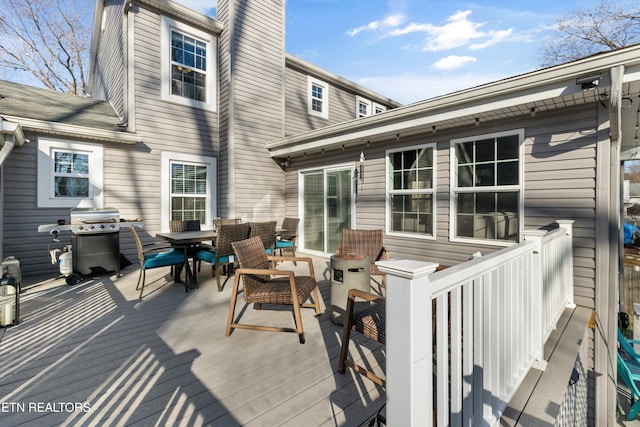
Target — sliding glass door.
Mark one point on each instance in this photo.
(327, 207)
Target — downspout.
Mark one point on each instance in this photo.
(615, 233)
(16, 139)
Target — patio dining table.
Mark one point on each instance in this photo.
(185, 240)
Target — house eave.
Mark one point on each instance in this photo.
(82, 132)
(541, 90)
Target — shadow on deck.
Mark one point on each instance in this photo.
(93, 353)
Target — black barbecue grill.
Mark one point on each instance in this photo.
(95, 240)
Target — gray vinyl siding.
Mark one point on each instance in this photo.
(254, 114)
(342, 104)
(559, 183)
(109, 79)
(224, 96)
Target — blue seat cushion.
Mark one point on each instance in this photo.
(163, 259)
(284, 244)
(210, 256)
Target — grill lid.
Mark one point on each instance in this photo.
(94, 215)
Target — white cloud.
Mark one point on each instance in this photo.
(494, 38)
(391, 21)
(458, 31)
(452, 62)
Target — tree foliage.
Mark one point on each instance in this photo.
(49, 39)
(585, 32)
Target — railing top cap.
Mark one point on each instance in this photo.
(407, 268)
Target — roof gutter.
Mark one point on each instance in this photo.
(11, 135)
(53, 128)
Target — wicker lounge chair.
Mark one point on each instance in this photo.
(365, 242)
(263, 285)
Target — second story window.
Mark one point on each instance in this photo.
(188, 65)
(365, 107)
(318, 104)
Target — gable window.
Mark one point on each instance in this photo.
(377, 108)
(188, 188)
(318, 98)
(410, 191)
(188, 65)
(366, 107)
(69, 174)
(487, 186)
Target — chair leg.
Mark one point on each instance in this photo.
(298, 320)
(217, 267)
(232, 303)
(142, 276)
(139, 278)
(346, 335)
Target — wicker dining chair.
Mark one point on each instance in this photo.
(365, 242)
(264, 285)
(267, 233)
(176, 226)
(151, 257)
(287, 239)
(222, 253)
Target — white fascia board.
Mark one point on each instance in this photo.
(76, 131)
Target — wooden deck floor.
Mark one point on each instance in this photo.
(94, 354)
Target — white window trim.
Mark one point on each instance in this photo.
(46, 198)
(324, 169)
(432, 191)
(165, 185)
(455, 189)
(368, 103)
(381, 107)
(325, 101)
(165, 68)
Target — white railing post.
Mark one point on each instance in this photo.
(538, 302)
(408, 338)
(567, 225)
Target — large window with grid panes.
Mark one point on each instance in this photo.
(410, 191)
(188, 188)
(486, 187)
(188, 65)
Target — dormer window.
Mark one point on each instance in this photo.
(318, 102)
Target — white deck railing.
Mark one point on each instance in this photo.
(460, 341)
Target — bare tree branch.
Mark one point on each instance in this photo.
(48, 39)
(586, 32)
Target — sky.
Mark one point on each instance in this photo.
(412, 50)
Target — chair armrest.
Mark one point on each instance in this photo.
(309, 261)
(383, 254)
(152, 247)
(357, 293)
(264, 272)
